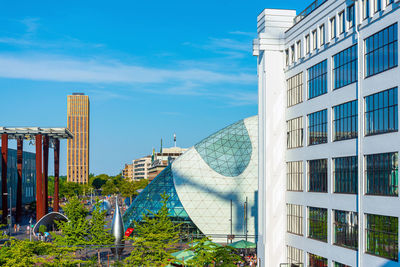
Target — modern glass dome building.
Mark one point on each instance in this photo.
(212, 187)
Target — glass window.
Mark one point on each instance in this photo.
(315, 41)
(346, 229)
(351, 18)
(317, 127)
(365, 8)
(333, 27)
(388, 2)
(295, 90)
(294, 176)
(322, 35)
(317, 81)
(295, 133)
(307, 44)
(382, 174)
(377, 5)
(345, 69)
(383, 236)
(345, 175)
(298, 46)
(317, 261)
(337, 264)
(294, 219)
(342, 23)
(381, 112)
(318, 175)
(345, 121)
(381, 52)
(317, 223)
(292, 54)
(295, 257)
(287, 57)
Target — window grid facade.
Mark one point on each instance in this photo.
(317, 80)
(381, 51)
(295, 90)
(295, 133)
(345, 121)
(382, 236)
(294, 256)
(317, 127)
(317, 261)
(338, 264)
(345, 69)
(381, 112)
(345, 175)
(317, 224)
(318, 175)
(382, 174)
(294, 176)
(345, 227)
(294, 219)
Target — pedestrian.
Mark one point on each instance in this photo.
(15, 227)
(18, 227)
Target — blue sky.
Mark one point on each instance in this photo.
(150, 68)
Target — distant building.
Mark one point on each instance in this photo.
(78, 147)
(163, 159)
(141, 168)
(28, 176)
(127, 172)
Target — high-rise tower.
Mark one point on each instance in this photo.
(78, 147)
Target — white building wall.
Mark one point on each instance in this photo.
(273, 114)
(272, 136)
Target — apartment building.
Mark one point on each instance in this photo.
(141, 168)
(127, 172)
(328, 134)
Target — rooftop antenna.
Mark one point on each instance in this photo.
(161, 147)
(174, 140)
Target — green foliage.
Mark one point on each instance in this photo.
(75, 231)
(207, 253)
(27, 253)
(154, 237)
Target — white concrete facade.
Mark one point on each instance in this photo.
(277, 33)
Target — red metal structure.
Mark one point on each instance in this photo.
(4, 159)
(43, 138)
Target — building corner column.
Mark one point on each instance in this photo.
(269, 48)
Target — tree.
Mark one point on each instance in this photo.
(153, 238)
(98, 234)
(129, 188)
(27, 253)
(74, 232)
(207, 253)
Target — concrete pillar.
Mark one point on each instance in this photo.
(20, 143)
(39, 179)
(56, 173)
(4, 155)
(45, 173)
(269, 48)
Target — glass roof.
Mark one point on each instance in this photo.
(228, 151)
(150, 200)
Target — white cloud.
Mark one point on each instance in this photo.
(64, 69)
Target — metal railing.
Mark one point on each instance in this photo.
(314, 5)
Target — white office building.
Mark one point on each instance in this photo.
(328, 134)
